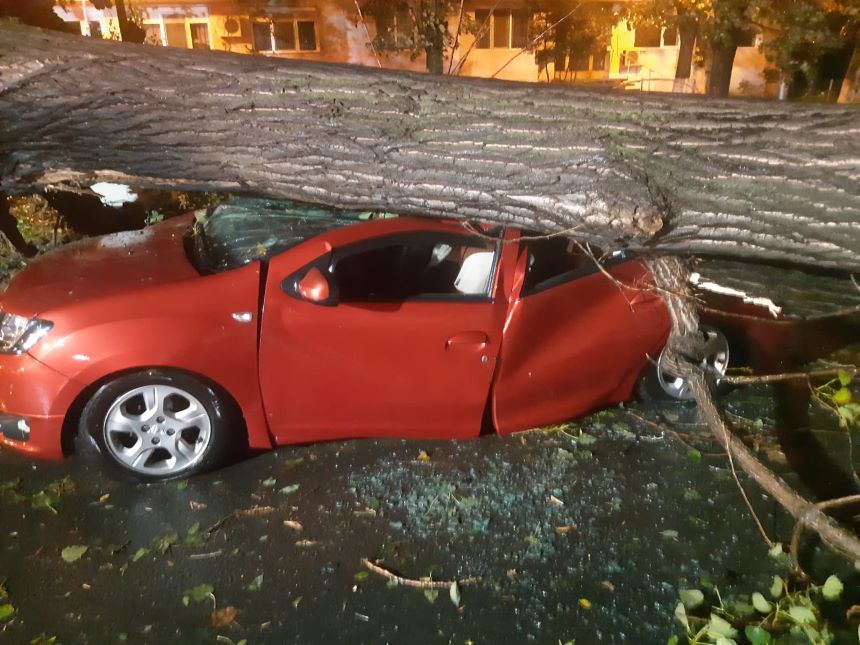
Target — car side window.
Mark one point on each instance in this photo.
(555, 260)
(428, 266)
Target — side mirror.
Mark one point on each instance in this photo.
(314, 286)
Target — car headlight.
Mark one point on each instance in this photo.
(19, 334)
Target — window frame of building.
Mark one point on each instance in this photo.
(294, 20)
(513, 36)
(189, 22)
(660, 36)
(159, 24)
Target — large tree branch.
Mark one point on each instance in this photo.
(653, 173)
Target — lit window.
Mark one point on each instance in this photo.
(276, 35)
(153, 34)
(199, 35)
(502, 29)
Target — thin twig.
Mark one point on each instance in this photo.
(787, 376)
(826, 504)
(419, 584)
(478, 35)
(367, 34)
(456, 37)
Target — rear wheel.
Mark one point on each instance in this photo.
(158, 425)
(659, 384)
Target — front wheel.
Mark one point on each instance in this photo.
(658, 384)
(158, 425)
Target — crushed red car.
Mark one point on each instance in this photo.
(263, 323)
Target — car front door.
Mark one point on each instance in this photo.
(390, 335)
(577, 338)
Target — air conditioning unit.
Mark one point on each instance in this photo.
(231, 25)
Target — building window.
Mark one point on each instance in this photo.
(394, 28)
(502, 28)
(153, 34)
(199, 35)
(175, 32)
(646, 36)
(652, 36)
(279, 35)
(95, 29)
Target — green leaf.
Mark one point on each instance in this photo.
(802, 615)
(669, 534)
(845, 378)
(255, 584)
(761, 604)
(197, 594)
(681, 615)
(719, 627)
(842, 396)
(847, 413)
(722, 640)
(832, 588)
(777, 587)
(286, 490)
(691, 598)
(673, 640)
(776, 550)
(6, 612)
(73, 553)
(361, 576)
(756, 635)
(431, 595)
(139, 554)
(162, 544)
(454, 594)
(44, 499)
(694, 455)
(297, 601)
(268, 483)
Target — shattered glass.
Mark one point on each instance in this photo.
(243, 230)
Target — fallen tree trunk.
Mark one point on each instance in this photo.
(654, 173)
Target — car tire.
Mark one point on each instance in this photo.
(657, 385)
(159, 425)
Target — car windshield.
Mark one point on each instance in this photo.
(242, 230)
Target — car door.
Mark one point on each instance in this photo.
(391, 335)
(575, 339)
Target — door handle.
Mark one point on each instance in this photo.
(467, 338)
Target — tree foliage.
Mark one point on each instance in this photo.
(418, 27)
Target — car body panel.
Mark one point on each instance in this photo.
(416, 368)
(576, 346)
(98, 267)
(181, 320)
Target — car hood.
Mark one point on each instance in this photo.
(99, 267)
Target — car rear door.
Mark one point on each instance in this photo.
(396, 336)
(575, 339)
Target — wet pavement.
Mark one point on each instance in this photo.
(580, 532)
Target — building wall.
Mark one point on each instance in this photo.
(340, 36)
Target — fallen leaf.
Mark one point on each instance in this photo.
(607, 585)
(6, 612)
(555, 501)
(268, 483)
(255, 584)
(255, 511)
(564, 530)
(73, 553)
(585, 603)
(423, 456)
(454, 594)
(196, 506)
(307, 543)
(365, 512)
(286, 490)
(197, 594)
(292, 524)
(223, 617)
(431, 595)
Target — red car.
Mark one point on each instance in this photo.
(273, 322)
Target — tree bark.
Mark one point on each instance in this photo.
(723, 60)
(688, 29)
(652, 173)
